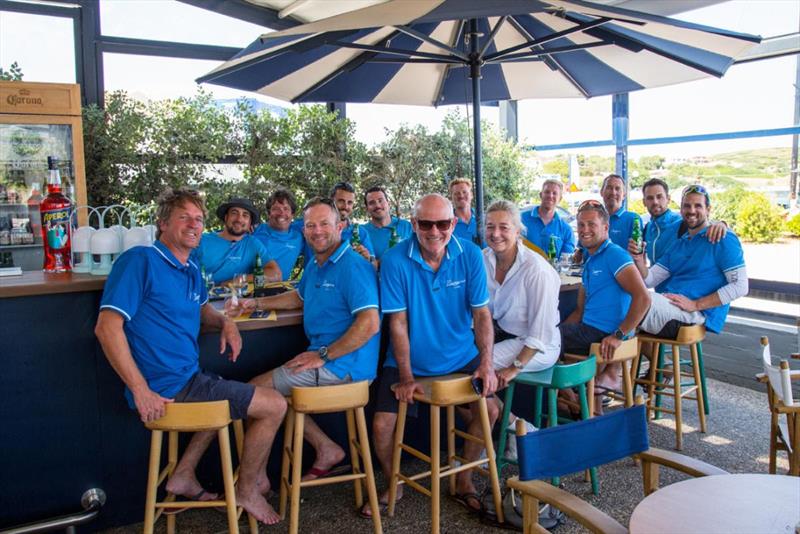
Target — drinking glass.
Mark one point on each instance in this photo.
(565, 263)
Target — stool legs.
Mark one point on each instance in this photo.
(400, 429)
(297, 467)
(435, 468)
(676, 388)
(451, 446)
(286, 460)
(700, 392)
(372, 490)
(156, 437)
(702, 382)
(501, 446)
(227, 478)
(494, 478)
(351, 440)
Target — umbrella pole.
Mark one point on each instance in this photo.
(475, 74)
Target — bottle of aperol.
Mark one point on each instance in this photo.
(55, 212)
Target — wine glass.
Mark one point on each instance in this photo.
(565, 263)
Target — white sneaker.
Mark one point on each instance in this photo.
(511, 441)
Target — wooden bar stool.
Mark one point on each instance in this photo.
(192, 417)
(688, 336)
(626, 355)
(348, 398)
(444, 391)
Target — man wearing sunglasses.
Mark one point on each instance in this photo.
(433, 287)
(612, 298)
(697, 280)
(620, 220)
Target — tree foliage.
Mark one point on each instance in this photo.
(793, 225)
(759, 220)
(13, 74)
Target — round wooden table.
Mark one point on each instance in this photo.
(751, 504)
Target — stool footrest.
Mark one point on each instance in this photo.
(331, 480)
(162, 476)
(410, 482)
(414, 452)
(467, 435)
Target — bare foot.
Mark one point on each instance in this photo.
(327, 457)
(263, 485)
(185, 484)
(255, 504)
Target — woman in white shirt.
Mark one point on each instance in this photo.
(523, 297)
(523, 300)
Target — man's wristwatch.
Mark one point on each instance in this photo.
(323, 354)
(518, 364)
(619, 334)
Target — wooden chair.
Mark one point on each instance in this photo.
(192, 417)
(348, 398)
(592, 442)
(784, 429)
(688, 336)
(448, 392)
(625, 355)
(576, 375)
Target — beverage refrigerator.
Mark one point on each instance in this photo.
(37, 121)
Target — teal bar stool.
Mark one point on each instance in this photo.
(558, 377)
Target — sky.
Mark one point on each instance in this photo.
(750, 96)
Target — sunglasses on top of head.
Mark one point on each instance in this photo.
(591, 204)
(442, 226)
(694, 188)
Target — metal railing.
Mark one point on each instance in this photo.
(91, 500)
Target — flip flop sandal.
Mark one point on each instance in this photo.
(464, 500)
(325, 473)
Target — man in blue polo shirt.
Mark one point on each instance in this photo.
(153, 304)
(697, 279)
(620, 221)
(343, 196)
(542, 223)
(433, 285)
(339, 297)
(233, 251)
(382, 227)
(612, 298)
(283, 242)
(460, 190)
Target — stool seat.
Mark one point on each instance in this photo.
(625, 354)
(350, 399)
(192, 417)
(687, 335)
(446, 392)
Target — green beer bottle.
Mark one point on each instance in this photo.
(636, 235)
(355, 239)
(394, 238)
(552, 254)
(258, 274)
(297, 270)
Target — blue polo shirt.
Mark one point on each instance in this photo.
(347, 233)
(333, 293)
(697, 268)
(223, 259)
(283, 247)
(380, 236)
(438, 305)
(468, 230)
(539, 234)
(620, 227)
(606, 303)
(660, 233)
(160, 300)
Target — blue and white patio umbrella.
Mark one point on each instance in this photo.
(440, 52)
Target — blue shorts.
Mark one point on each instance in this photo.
(387, 402)
(205, 386)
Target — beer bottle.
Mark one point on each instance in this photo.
(258, 274)
(355, 239)
(55, 214)
(297, 270)
(636, 235)
(552, 253)
(394, 238)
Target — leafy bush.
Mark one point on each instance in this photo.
(793, 225)
(759, 220)
(725, 206)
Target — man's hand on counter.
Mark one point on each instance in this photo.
(236, 307)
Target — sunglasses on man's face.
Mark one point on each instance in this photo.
(443, 225)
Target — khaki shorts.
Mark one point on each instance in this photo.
(283, 380)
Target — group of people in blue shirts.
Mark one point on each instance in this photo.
(451, 301)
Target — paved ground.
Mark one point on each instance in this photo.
(736, 440)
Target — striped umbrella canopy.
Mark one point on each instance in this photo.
(440, 52)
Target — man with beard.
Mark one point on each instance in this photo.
(339, 297)
(343, 196)
(697, 280)
(233, 250)
(382, 225)
(283, 242)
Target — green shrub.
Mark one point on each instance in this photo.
(758, 219)
(793, 225)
